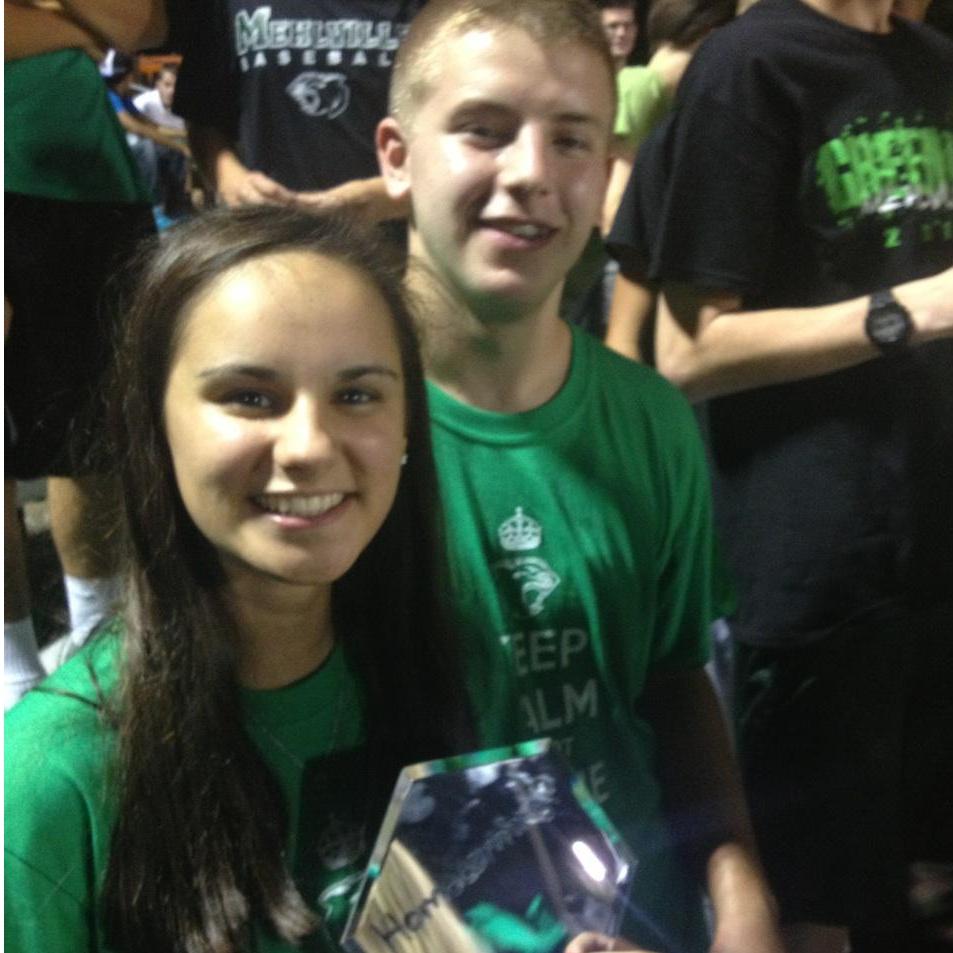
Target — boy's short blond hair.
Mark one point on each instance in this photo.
(549, 22)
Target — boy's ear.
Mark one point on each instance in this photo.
(392, 153)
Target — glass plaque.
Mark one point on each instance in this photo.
(500, 850)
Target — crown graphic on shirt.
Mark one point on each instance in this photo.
(520, 532)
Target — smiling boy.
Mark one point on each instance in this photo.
(575, 491)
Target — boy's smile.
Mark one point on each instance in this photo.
(506, 161)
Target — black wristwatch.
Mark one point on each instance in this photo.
(888, 323)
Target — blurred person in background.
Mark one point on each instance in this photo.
(75, 208)
(160, 149)
(795, 210)
(281, 100)
(156, 103)
(621, 26)
(676, 29)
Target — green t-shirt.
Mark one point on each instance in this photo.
(61, 136)
(581, 548)
(642, 103)
(60, 810)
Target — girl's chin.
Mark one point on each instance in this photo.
(283, 573)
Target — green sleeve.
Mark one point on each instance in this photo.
(57, 825)
(41, 914)
(642, 102)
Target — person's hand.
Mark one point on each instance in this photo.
(593, 942)
(364, 199)
(748, 935)
(180, 145)
(247, 187)
(317, 202)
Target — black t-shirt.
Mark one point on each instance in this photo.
(808, 162)
(298, 85)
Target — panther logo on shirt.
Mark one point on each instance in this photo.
(534, 576)
(320, 94)
(536, 580)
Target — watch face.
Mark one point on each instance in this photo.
(888, 324)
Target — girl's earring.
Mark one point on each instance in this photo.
(403, 460)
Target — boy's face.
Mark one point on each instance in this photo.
(620, 29)
(506, 163)
(165, 84)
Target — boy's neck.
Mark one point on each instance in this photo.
(507, 364)
(669, 64)
(871, 16)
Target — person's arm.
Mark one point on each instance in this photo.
(127, 25)
(708, 346)
(702, 792)
(150, 130)
(364, 198)
(622, 161)
(233, 182)
(141, 105)
(50, 824)
(30, 31)
(631, 319)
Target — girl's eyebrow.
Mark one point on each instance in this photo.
(361, 370)
(238, 369)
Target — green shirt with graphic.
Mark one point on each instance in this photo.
(60, 808)
(581, 561)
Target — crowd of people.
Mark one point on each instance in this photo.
(336, 488)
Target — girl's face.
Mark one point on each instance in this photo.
(285, 416)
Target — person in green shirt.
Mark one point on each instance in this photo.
(209, 772)
(676, 29)
(578, 511)
(74, 209)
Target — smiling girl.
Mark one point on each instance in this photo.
(209, 773)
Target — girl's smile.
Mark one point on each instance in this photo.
(285, 416)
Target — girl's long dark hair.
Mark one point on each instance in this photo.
(197, 850)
